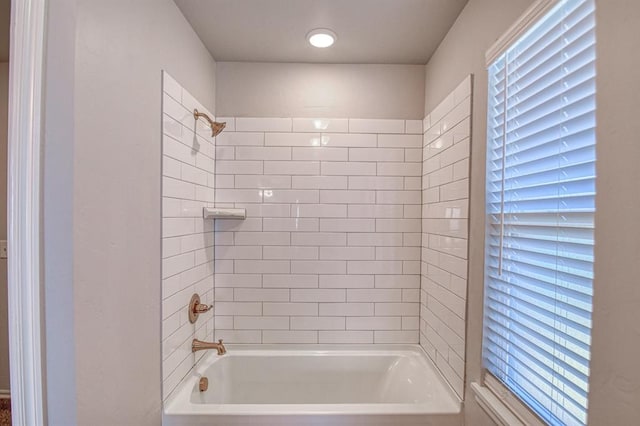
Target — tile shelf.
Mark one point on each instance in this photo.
(223, 213)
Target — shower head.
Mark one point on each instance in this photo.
(216, 127)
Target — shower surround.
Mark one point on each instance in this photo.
(188, 167)
(355, 232)
(330, 249)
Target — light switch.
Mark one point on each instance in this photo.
(3, 249)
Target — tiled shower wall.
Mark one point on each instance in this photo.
(188, 154)
(330, 249)
(445, 212)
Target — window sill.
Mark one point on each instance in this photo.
(502, 406)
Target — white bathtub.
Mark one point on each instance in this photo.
(315, 385)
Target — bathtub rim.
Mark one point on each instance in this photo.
(176, 406)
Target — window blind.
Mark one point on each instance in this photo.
(540, 213)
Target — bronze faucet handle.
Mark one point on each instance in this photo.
(201, 308)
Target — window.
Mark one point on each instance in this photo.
(540, 213)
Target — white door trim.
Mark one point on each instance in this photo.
(25, 133)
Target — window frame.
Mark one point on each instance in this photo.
(506, 397)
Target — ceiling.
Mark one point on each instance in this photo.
(5, 19)
(369, 31)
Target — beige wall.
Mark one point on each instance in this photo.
(106, 175)
(615, 376)
(4, 326)
(320, 90)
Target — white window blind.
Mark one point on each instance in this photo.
(540, 213)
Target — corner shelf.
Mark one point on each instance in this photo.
(222, 213)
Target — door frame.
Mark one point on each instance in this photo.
(26, 76)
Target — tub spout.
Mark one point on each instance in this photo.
(199, 345)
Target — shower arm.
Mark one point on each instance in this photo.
(216, 127)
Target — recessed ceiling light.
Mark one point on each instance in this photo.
(321, 37)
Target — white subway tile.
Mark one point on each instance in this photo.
(290, 309)
(457, 114)
(239, 336)
(318, 239)
(176, 264)
(461, 169)
(261, 266)
(347, 197)
(290, 281)
(172, 227)
(239, 167)
(375, 211)
(317, 323)
(398, 197)
(320, 210)
(265, 210)
(239, 139)
(376, 182)
(262, 238)
(292, 139)
(292, 196)
(320, 125)
(178, 188)
(345, 337)
(321, 154)
(333, 168)
(238, 308)
(170, 167)
(397, 253)
(399, 169)
(398, 225)
(261, 181)
(289, 336)
(347, 253)
(292, 167)
(376, 154)
(260, 295)
(347, 225)
(319, 182)
(263, 124)
(375, 239)
(397, 309)
(349, 140)
(238, 252)
(290, 224)
(262, 153)
(455, 190)
(346, 281)
(239, 195)
(290, 252)
(346, 309)
(375, 126)
(318, 267)
(374, 295)
(397, 281)
(318, 295)
(413, 127)
(238, 280)
(405, 336)
(374, 323)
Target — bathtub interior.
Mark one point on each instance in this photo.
(298, 379)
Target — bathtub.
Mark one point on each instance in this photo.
(315, 385)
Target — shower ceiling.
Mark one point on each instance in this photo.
(369, 31)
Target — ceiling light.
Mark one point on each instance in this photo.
(321, 37)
